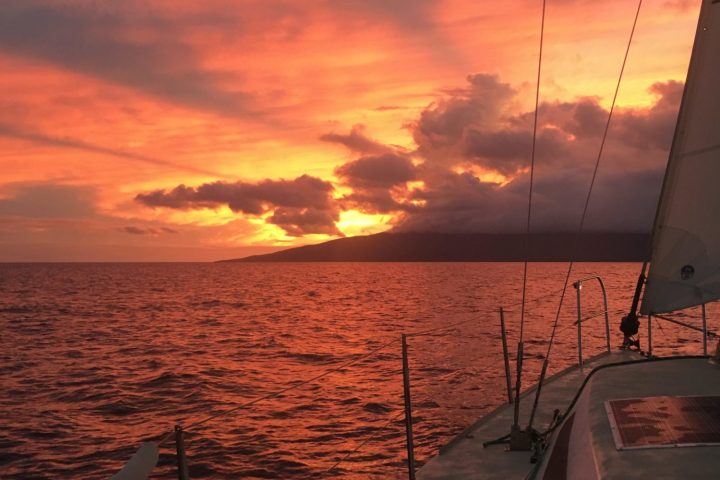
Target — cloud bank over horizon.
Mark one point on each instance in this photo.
(202, 130)
(469, 171)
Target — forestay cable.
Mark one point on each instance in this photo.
(584, 213)
(532, 174)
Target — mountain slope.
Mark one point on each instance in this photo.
(446, 247)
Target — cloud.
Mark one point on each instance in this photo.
(473, 132)
(654, 127)
(469, 172)
(43, 139)
(300, 221)
(445, 123)
(356, 141)
(107, 46)
(133, 230)
(300, 206)
(47, 201)
(384, 171)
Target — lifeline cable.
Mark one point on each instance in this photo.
(364, 442)
(287, 389)
(584, 213)
(333, 370)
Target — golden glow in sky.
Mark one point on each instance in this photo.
(173, 130)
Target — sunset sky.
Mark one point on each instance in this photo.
(177, 130)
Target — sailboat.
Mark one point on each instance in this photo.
(622, 415)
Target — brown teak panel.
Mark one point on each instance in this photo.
(666, 421)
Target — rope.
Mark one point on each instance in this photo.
(587, 203)
(532, 173)
(364, 442)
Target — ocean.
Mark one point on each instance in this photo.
(97, 358)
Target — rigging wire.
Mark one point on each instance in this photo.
(585, 208)
(532, 172)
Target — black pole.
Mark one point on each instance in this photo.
(518, 385)
(408, 410)
(630, 324)
(638, 291)
(506, 356)
(181, 459)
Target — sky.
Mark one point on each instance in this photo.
(171, 130)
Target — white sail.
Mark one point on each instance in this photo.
(685, 261)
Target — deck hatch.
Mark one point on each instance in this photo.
(664, 422)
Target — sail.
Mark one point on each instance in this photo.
(685, 260)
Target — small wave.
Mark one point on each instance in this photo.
(207, 303)
(168, 379)
(374, 407)
(310, 357)
(119, 408)
(20, 309)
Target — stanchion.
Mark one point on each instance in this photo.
(506, 356)
(181, 459)
(408, 410)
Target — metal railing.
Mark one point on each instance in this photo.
(578, 287)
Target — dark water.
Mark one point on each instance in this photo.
(95, 358)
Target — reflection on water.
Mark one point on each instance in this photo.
(95, 358)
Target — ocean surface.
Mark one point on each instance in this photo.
(97, 358)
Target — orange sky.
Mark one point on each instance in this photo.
(106, 102)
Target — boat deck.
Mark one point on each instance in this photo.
(465, 457)
(677, 431)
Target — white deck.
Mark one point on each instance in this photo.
(465, 457)
(675, 377)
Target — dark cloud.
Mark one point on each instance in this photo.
(48, 201)
(384, 171)
(94, 42)
(133, 230)
(374, 200)
(473, 127)
(652, 128)
(460, 202)
(356, 141)
(299, 221)
(43, 139)
(444, 124)
(507, 151)
(301, 206)
(376, 181)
